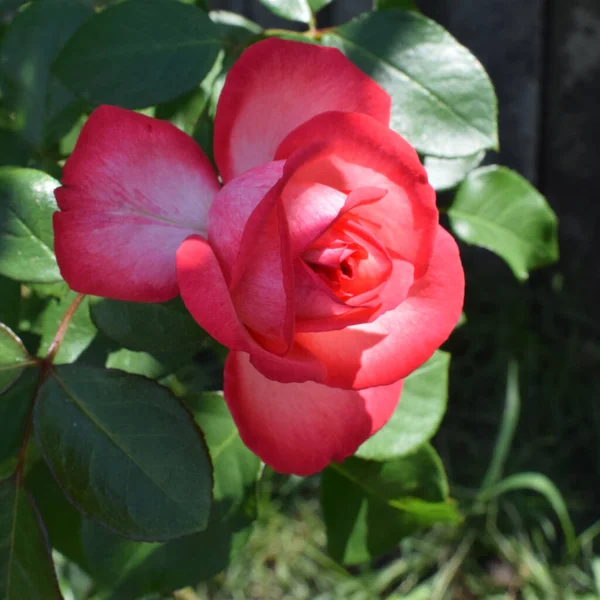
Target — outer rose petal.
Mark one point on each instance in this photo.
(277, 85)
(133, 190)
(402, 339)
(300, 428)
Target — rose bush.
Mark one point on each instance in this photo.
(319, 261)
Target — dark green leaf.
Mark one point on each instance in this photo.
(293, 10)
(447, 173)
(167, 331)
(370, 506)
(419, 414)
(10, 302)
(317, 5)
(78, 336)
(40, 103)
(13, 357)
(14, 151)
(399, 4)
(139, 53)
(499, 210)
(26, 238)
(62, 520)
(132, 569)
(442, 99)
(26, 571)
(126, 451)
(15, 405)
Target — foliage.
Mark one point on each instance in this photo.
(115, 450)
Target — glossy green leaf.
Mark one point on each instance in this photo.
(132, 569)
(13, 357)
(26, 238)
(167, 331)
(15, 405)
(26, 571)
(399, 4)
(139, 53)
(447, 173)
(419, 414)
(442, 99)
(293, 10)
(126, 452)
(497, 209)
(79, 335)
(370, 506)
(41, 105)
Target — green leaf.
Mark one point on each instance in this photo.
(26, 570)
(497, 209)
(447, 173)
(15, 405)
(62, 520)
(442, 99)
(14, 150)
(293, 10)
(234, 28)
(132, 569)
(419, 414)
(370, 506)
(13, 357)
(167, 331)
(26, 238)
(139, 53)
(399, 4)
(317, 5)
(40, 103)
(126, 452)
(79, 335)
(137, 363)
(10, 302)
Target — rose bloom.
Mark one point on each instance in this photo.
(319, 262)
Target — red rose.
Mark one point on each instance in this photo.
(320, 263)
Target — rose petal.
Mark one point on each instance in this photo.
(133, 190)
(348, 151)
(300, 428)
(205, 293)
(277, 85)
(402, 339)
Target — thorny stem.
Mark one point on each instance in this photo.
(45, 368)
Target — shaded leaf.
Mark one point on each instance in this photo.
(13, 357)
(399, 4)
(139, 53)
(10, 302)
(15, 405)
(44, 109)
(126, 452)
(418, 415)
(26, 570)
(497, 209)
(370, 506)
(132, 569)
(167, 331)
(293, 10)
(317, 5)
(442, 99)
(26, 237)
